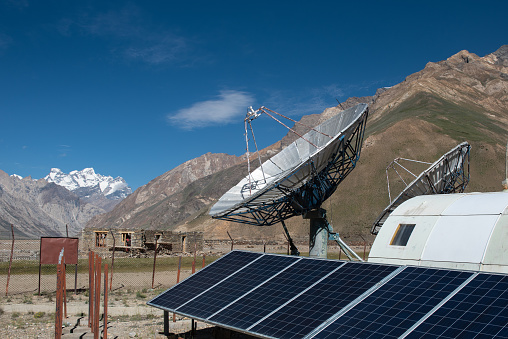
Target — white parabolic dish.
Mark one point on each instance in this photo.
(283, 174)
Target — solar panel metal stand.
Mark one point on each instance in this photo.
(166, 323)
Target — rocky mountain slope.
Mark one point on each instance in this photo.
(169, 198)
(38, 208)
(103, 191)
(463, 98)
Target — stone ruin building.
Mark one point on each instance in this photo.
(139, 240)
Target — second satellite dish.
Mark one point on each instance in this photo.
(449, 174)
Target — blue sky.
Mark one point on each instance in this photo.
(135, 88)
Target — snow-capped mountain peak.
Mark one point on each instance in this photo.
(86, 183)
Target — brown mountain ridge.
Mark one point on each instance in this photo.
(462, 98)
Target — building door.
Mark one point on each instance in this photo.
(184, 243)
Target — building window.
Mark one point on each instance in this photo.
(402, 234)
(100, 239)
(126, 239)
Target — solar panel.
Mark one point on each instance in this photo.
(311, 308)
(206, 278)
(236, 286)
(277, 296)
(274, 293)
(480, 309)
(397, 305)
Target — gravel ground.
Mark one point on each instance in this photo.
(42, 325)
(29, 316)
(32, 316)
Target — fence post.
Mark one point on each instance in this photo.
(364, 246)
(91, 272)
(105, 331)
(112, 261)
(64, 278)
(178, 280)
(203, 261)
(154, 260)
(179, 268)
(194, 262)
(59, 296)
(76, 279)
(10, 264)
(97, 294)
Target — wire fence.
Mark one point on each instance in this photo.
(21, 272)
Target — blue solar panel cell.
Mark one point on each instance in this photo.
(397, 305)
(236, 286)
(274, 293)
(480, 309)
(203, 279)
(300, 316)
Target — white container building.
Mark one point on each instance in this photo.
(466, 231)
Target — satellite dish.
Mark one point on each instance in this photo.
(299, 178)
(449, 174)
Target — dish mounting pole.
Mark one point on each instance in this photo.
(320, 232)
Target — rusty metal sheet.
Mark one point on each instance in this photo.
(51, 247)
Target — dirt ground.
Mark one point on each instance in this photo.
(137, 320)
(28, 316)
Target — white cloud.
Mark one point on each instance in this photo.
(229, 106)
